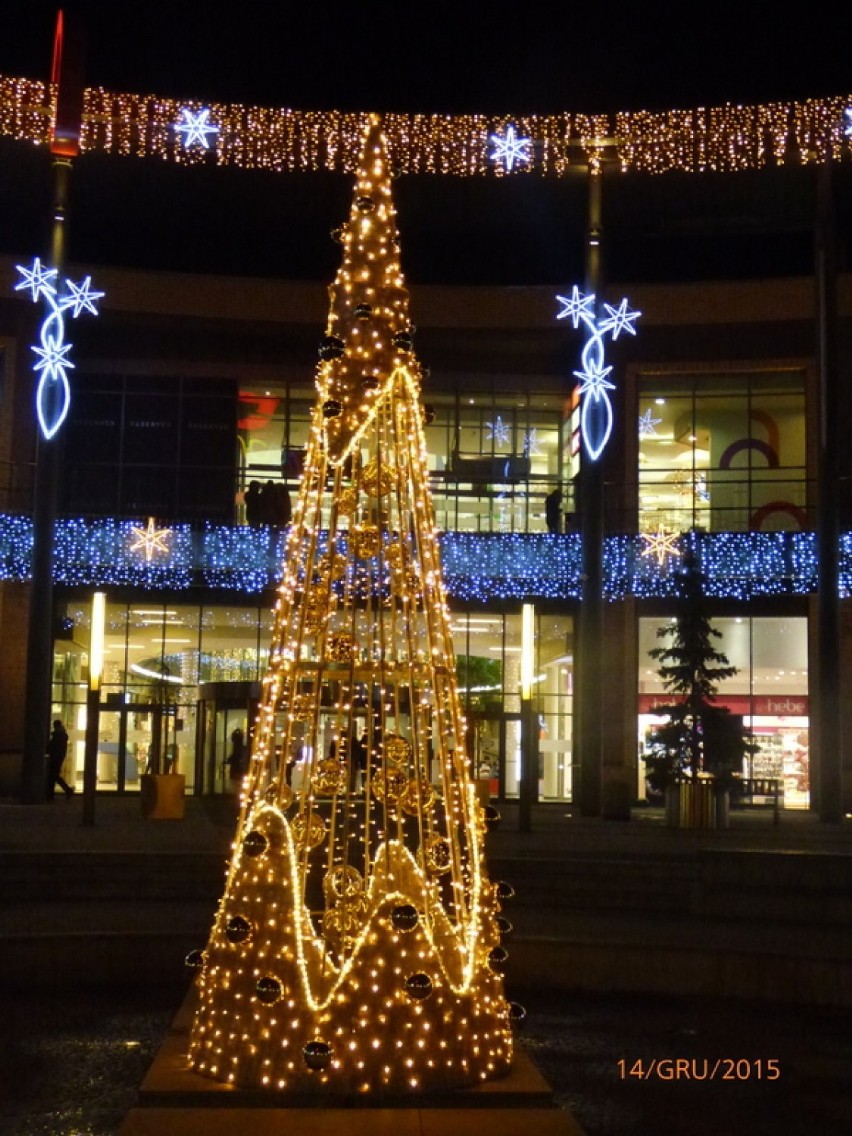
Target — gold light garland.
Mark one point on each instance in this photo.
(723, 138)
(356, 949)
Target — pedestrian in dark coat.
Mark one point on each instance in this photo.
(57, 749)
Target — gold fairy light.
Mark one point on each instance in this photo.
(725, 138)
(356, 948)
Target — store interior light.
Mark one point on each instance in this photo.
(527, 649)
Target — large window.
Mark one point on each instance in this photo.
(723, 451)
(162, 659)
(493, 457)
(769, 691)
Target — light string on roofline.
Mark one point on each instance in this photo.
(726, 138)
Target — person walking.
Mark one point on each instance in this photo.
(236, 759)
(553, 511)
(57, 749)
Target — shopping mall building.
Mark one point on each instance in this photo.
(191, 385)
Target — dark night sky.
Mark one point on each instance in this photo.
(414, 56)
(505, 59)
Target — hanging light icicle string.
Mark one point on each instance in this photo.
(725, 138)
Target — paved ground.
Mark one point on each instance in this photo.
(623, 1065)
(209, 823)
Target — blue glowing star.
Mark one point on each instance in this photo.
(847, 126)
(509, 149)
(576, 307)
(498, 431)
(596, 408)
(647, 424)
(38, 279)
(80, 298)
(53, 395)
(196, 127)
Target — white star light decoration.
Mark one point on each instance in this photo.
(53, 394)
(660, 544)
(847, 126)
(531, 443)
(195, 127)
(647, 424)
(498, 431)
(509, 149)
(150, 540)
(596, 409)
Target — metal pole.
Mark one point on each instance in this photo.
(39, 670)
(528, 786)
(588, 664)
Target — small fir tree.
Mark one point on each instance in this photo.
(699, 737)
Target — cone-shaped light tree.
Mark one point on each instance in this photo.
(357, 944)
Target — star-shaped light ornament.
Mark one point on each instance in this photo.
(53, 394)
(847, 122)
(647, 424)
(150, 540)
(661, 545)
(195, 127)
(498, 431)
(596, 408)
(531, 443)
(509, 149)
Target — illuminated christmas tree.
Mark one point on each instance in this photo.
(357, 945)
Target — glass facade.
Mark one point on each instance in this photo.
(179, 678)
(723, 451)
(769, 692)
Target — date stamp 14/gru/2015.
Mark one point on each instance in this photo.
(700, 1069)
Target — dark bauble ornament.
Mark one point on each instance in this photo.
(492, 817)
(418, 986)
(331, 408)
(365, 204)
(255, 843)
(194, 960)
(517, 1015)
(403, 341)
(428, 413)
(337, 235)
(504, 890)
(268, 989)
(317, 1055)
(238, 929)
(404, 917)
(497, 957)
(363, 311)
(370, 382)
(504, 927)
(331, 347)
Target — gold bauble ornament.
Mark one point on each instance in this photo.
(341, 647)
(418, 795)
(343, 880)
(366, 541)
(388, 785)
(330, 777)
(347, 501)
(377, 480)
(396, 749)
(308, 832)
(438, 854)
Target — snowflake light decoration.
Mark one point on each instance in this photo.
(498, 431)
(647, 424)
(596, 408)
(509, 149)
(847, 125)
(53, 394)
(195, 127)
(661, 545)
(150, 540)
(531, 442)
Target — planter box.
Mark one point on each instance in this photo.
(696, 804)
(163, 795)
